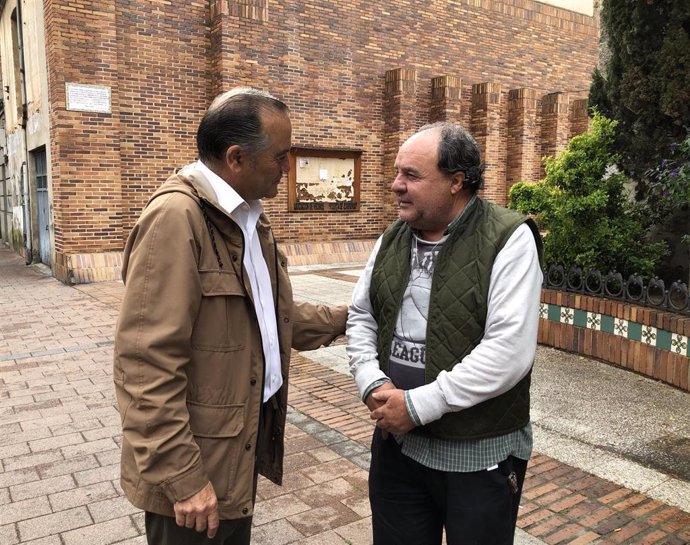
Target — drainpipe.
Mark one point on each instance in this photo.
(28, 256)
(26, 193)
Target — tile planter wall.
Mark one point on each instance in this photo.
(645, 340)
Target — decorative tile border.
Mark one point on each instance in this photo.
(593, 321)
(634, 331)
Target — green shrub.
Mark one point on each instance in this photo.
(583, 207)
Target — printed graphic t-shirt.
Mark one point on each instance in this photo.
(408, 348)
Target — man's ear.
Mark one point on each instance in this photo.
(234, 157)
(234, 154)
(457, 183)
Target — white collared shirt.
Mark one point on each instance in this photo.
(246, 215)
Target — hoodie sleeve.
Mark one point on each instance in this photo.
(362, 333)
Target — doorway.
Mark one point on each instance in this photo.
(42, 205)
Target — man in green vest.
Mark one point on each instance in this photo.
(442, 334)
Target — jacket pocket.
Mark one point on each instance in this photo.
(222, 295)
(215, 421)
(216, 429)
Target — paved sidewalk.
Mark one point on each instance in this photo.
(610, 467)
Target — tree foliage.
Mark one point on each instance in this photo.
(668, 207)
(669, 182)
(583, 206)
(644, 83)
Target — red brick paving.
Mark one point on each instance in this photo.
(561, 504)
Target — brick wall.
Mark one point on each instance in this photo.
(154, 58)
(356, 75)
(645, 340)
(164, 88)
(336, 61)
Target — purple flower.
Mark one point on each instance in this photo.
(674, 172)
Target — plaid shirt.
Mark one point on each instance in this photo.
(466, 456)
(461, 456)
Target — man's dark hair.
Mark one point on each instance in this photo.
(458, 152)
(234, 118)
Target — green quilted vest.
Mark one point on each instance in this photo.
(457, 311)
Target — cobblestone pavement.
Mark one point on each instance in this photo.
(589, 482)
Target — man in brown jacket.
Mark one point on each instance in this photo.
(205, 331)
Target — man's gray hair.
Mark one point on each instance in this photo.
(234, 118)
(458, 152)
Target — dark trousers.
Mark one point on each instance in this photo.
(411, 503)
(162, 530)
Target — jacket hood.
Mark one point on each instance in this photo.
(194, 184)
(190, 182)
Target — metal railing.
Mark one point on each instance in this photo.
(636, 289)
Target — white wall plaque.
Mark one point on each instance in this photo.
(88, 98)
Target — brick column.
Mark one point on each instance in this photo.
(579, 117)
(399, 110)
(81, 39)
(485, 125)
(554, 125)
(218, 10)
(446, 100)
(523, 161)
(234, 61)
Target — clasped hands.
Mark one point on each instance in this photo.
(388, 409)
